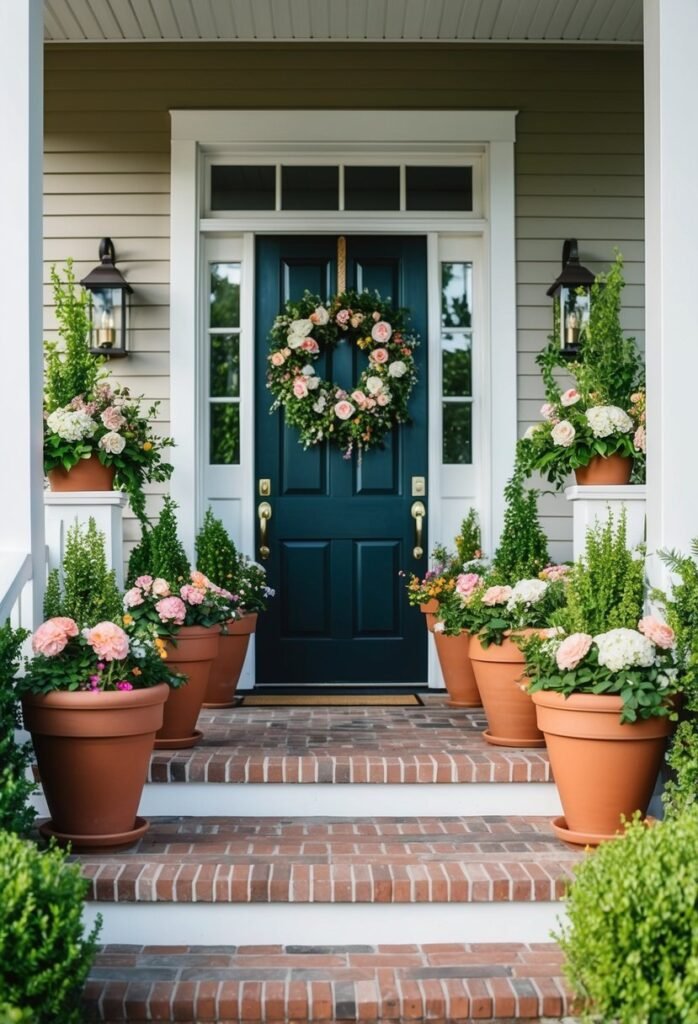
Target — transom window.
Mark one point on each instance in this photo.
(387, 187)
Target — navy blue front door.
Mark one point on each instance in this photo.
(341, 530)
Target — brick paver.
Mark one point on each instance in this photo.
(431, 744)
(377, 860)
(444, 982)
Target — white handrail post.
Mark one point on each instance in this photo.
(21, 440)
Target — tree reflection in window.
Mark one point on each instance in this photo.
(456, 363)
(225, 434)
(225, 295)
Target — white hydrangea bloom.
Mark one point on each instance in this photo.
(624, 648)
(374, 385)
(605, 420)
(527, 592)
(71, 424)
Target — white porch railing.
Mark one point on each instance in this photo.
(15, 588)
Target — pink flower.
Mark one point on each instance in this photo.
(310, 345)
(359, 397)
(375, 316)
(124, 685)
(133, 597)
(108, 641)
(200, 579)
(547, 411)
(383, 399)
(379, 355)
(381, 332)
(496, 595)
(144, 582)
(553, 573)
(112, 418)
(658, 632)
(569, 397)
(172, 609)
(342, 317)
(467, 583)
(640, 439)
(52, 636)
(192, 595)
(572, 650)
(344, 410)
(300, 388)
(161, 588)
(277, 359)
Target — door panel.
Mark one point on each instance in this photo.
(341, 529)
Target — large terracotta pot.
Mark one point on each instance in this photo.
(602, 471)
(86, 475)
(511, 715)
(226, 669)
(457, 670)
(429, 610)
(602, 769)
(192, 654)
(92, 750)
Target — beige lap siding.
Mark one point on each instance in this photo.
(579, 163)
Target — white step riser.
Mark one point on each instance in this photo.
(323, 924)
(350, 800)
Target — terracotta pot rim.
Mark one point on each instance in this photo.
(607, 704)
(84, 700)
(192, 632)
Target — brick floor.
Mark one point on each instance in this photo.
(385, 860)
(431, 744)
(445, 982)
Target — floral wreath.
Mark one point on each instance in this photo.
(322, 410)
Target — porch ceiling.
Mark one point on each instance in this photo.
(501, 21)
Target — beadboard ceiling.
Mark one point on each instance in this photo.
(502, 21)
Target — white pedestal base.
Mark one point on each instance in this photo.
(65, 508)
(593, 504)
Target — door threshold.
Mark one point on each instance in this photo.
(340, 689)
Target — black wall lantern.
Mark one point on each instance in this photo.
(110, 296)
(571, 292)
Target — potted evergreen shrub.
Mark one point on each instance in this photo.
(513, 598)
(602, 686)
(45, 954)
(182, 612)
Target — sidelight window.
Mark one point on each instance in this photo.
(224, 364)
(457, 363)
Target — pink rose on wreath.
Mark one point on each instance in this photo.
(547, 411)
(52, 636)
(133, 597)
(467, 583)
(300, 388)
(161, 588)
(381, 332)
(344, 410)
(572, 650)
(383, 399)
(359, 397)
(144, 582)
(277, 359)
(172, 609)
(192, 595)
(112, 418)
(342, 317)
(379, 356)
(376, 315)
(496, 595)
(658, 632)
(108, 641)
(310, 345)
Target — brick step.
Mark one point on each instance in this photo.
(392, 983)
(329, 879)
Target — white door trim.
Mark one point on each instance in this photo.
(485, 136)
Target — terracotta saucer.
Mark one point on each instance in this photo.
(179, 742)
(501, 741)
(567, 835)
(97, 842)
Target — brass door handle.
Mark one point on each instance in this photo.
(264, 513)
(418, 513)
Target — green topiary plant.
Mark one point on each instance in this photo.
(15, 788)
(606, 585)
(216, 554)
(45, 956)
(70, 368)
(160, 552)
(631, 944)
(523, 546)
(84, 589)
(469, 541)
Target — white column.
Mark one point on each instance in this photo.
(65, 508)
(671, 212)
(21, 442)
(592, 505)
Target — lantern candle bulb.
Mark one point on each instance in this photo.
(572, 326)
(106, 334)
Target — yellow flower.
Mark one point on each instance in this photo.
(147, 445)
(128, 620)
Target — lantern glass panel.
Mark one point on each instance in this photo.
(108, 318)
(574, 315)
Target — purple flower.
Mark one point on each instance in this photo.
(123, 685)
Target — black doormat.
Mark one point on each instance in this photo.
(320, 700)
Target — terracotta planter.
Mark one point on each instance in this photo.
(457, 670)
(429, 610)
(226, 669)
(93, 750)
(86, 475)
(601, 471)
(511, 715)
(602, 769)
(195, 651)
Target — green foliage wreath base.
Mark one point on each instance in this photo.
(321, 409)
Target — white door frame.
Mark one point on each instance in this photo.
(315, 137)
